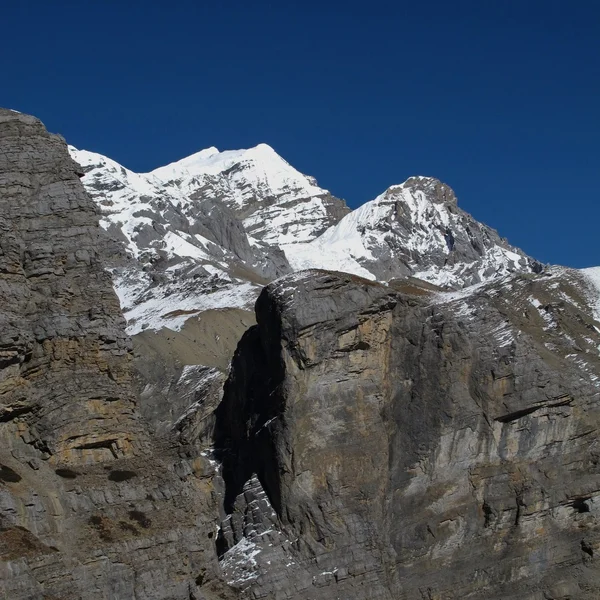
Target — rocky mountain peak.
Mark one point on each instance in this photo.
(249, 214)
(413, 229)
(433, 188)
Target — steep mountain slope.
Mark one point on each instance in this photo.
(369, 440)
(91, 504)
(202, 231)
(593, 276)
(194, 242)
(278, 205)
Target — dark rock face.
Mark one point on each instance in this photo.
(414, 445)
(90, 505)
(60, 315)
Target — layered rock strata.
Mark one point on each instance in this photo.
(90, 505)
(417, 444)
(370, 441)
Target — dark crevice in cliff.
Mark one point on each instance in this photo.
(8, 413)
(581, 505)
(585, 547)
(8, 475)
(517, 414)
(246, 419)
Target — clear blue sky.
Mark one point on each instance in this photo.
(499, 98)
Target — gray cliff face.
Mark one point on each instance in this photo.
(59, 308)
(91, 505)
(414, 445)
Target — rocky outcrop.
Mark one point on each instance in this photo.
(60, 315)
(414, 445)
(91, 506)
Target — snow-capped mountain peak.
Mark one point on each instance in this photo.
(209, 224)
(259, 163)
(257, 183)
(413, 229)
(186, 165)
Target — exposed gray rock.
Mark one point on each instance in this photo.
(171, 366)
(217, 222)
(371, 441)
(419, 445)
(59, 309)
(91, 505)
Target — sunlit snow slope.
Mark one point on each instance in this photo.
(593, 276)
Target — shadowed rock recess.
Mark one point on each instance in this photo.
(368, 441)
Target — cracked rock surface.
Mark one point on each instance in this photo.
(91, 506)
(418, 444)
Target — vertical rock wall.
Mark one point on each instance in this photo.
(65, 355)
(415, 446)
(90, 506)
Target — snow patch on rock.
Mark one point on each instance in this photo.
(592, 275)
